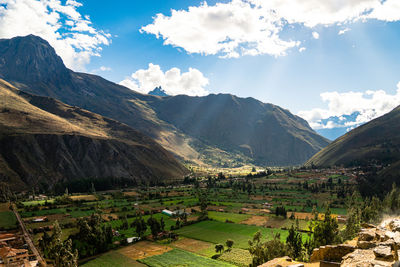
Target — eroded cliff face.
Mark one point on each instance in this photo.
(44, 141)
(51, 158)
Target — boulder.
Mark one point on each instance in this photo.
(331, 253)
(394, 225)
(383, 253)
(367, 234)
(365, 244)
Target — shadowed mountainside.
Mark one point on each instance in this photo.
(216, 129)
(377, 141)
(45, 141)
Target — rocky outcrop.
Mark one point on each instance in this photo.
(331, 253)
(376, 246)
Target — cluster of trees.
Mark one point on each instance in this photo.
(219, 248)
(62, 253)
(93, 236)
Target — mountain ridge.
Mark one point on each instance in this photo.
(281, 144)
(44, 141)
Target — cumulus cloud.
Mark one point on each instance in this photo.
(357, 107)
(315, 35)
(172, 81)
(229, 29)
(253, 27)
(71, 34)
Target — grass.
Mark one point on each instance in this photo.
(8, 220)
(223, 216)
(218, 232)
(112, 259)
(177, 257)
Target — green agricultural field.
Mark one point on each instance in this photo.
(8, 220)
(218, 232)
(237, 256)
(37, 202)
(177, 257)
(223, 216)
(112, 259)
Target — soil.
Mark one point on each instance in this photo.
(143, 250)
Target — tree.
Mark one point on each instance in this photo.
(54, 248)
(294, 243)
(140, 225)
(265, 251)
(219, 248)
(229, 243)
(125, 224)
(326, 231)
(162, 224)
(155, 226)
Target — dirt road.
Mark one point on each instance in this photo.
(28, 238)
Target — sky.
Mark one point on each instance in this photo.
(336, 63)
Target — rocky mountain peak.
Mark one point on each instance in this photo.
(30, 58)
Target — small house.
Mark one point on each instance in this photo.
(40, 219)
(168, 213)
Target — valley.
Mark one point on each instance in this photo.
(214, 208)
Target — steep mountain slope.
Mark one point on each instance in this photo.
(263, 132)
(375, 142)
(217, 129)
(45, 141)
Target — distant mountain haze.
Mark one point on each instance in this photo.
(219, 130)
(43, 141)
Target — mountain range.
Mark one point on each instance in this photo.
(219, 130)
(44, 141)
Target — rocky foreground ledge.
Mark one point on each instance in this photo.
(375, 246)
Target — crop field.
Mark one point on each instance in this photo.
(113, 259)
(224, 216)
(195, 246)
(179, 257)
(237, 256)
(37, 202)
(83, 197)
(4, 207)
(218, 232)
(143, 249)
(8, 220)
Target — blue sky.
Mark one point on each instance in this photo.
(363, 60)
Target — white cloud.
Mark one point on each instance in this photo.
(315, 35)
(230, 30)
(369, 105)
(71, 34)
(302, 49)
(343, 31)
(172, 81)
(253, 27)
